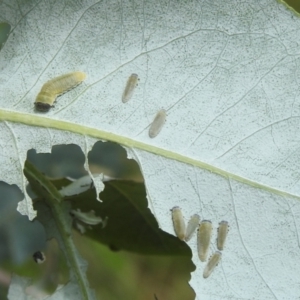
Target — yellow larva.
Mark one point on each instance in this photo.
(178, 222)
(158, 123)
(204, 235)
(55, 87)
(212, 263)
(222, 234)
(130, 86)
(191, 227)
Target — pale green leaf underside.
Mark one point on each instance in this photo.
(227, 72)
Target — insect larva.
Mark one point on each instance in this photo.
(78, 186)
(178, 222)
(39, 257)
(130, 86)
(204, 234)
(55, 87)
(191, 227)
(158, 123)
(213, 261)
(222, 234)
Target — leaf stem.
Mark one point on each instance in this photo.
(71, 253)
(43, 121)
(60, 213)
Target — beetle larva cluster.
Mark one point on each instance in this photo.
(216, 257)
(132, 82)
(55, 87)
(203, 237)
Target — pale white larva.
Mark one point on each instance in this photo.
(204, 235)
(212, 263)
(55, 87)
(191, 227)
(178, 222)
(78, 186)
(39, 257)
(130, 86)
(158, 123)
(222, 234)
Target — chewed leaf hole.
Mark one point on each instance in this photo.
(121, 220)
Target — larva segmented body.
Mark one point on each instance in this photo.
(130, 86)
(178, 222)
(158, 123)
(191, 227)
(55, 87)
(222, 234)
(212, 263)
(204, 235)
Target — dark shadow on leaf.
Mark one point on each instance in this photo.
(130, 224)
(4, 33)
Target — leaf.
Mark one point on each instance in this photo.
(226, 73)
(122, 220)
(129, 224)
(4, 31)
(20, 238)
(53, 213)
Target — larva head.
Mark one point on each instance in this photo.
(42, 107)
(175, 208)
(44, 101)
(206, 223)
(223, 223)
(223, 227)
(135, 75)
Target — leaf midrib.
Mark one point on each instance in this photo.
(43, 121)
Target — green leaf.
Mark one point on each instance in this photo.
(19, 236)
(54, 214)
(129, 224)
(227, 74)
(4, 31)
(48, 275)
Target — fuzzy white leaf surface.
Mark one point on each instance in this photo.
(226, 72)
